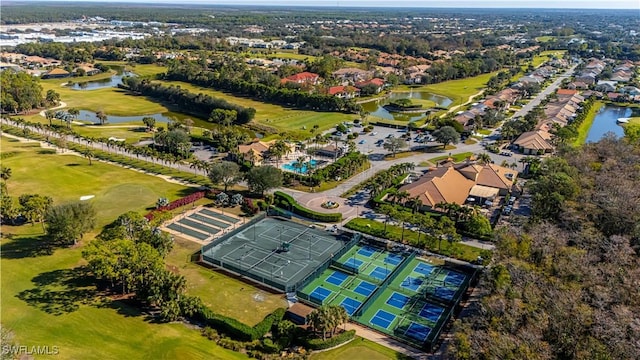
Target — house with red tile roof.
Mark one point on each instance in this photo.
(345, 92)
(305, 77)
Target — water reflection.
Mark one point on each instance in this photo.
(605, 121)
(376, 108)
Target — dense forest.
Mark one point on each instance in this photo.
(567, 285)
(19, 92)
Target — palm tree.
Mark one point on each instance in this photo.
(102, 117)
(390, 212)
(484, 158)
(416, 204)
(50, 115)
(88, 153)
(5, 173)
(74, 115)
(402, 197)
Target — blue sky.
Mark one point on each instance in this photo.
(571, 4)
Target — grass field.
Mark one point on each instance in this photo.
(276, 116)
(458, 91)
(583, 129)
(112, 101)
(67, 177)
(360, 349)
(45, 298)
(456, 157)
(545, 56)
(544, 39)
(228, 296)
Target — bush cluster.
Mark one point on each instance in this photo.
(235, 328)
(178, 203)
(289, 202)
(319, 344)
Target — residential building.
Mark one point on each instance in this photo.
(56, 74)
(344, 92)
(534, 142)
(305, 78)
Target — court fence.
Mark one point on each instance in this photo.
(383, 285)
(355, 238)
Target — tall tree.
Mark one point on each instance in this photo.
(263, 178)
(35, 206)
(446, 135)
(226, 173)
(67, 223)
(394, 145)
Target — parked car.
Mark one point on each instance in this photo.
(506, 153)
(362, 141)
(373, 133)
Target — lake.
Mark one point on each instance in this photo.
(605, 121)
(375, 108)
(100, 84)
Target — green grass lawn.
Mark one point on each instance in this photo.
(46, 300)
(544, 39)
(545, 56)
(225, 295)
(67, 177)
(456, 157)
(583, 129)
(276, 116)
(112, 101)
(360, 349)
(634, 120)
(456, 90)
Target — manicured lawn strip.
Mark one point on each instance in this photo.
(455, 250)
(634, 120)
(88, 327)
(220, 292)
(360, 349)
(585, 126)
(456, 157)
(67, 177)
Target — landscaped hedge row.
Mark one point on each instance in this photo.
(298, 209)
(178, 203)
(234, 328)
(319, 344)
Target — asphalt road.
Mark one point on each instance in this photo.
(544, 93)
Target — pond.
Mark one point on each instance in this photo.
(605, 121)
(376, 108)
(102, 83)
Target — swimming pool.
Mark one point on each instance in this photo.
(292, 166)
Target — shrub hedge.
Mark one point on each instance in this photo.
(319, 344)
(288, 201)
(234, 328)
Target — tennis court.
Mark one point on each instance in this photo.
(274, 251)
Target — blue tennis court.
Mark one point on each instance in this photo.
(454, 278)
(350, 305)
(393, 259)
(418, 331)
(380, 273)
(423, 269)
(364, 288)
(367, 251)
(383, 319)
(181, 229)
(411, 283)
(444, 293)
(353, 263)
(337, 278)
(398, 300)
(431, 312)
(320, 293)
